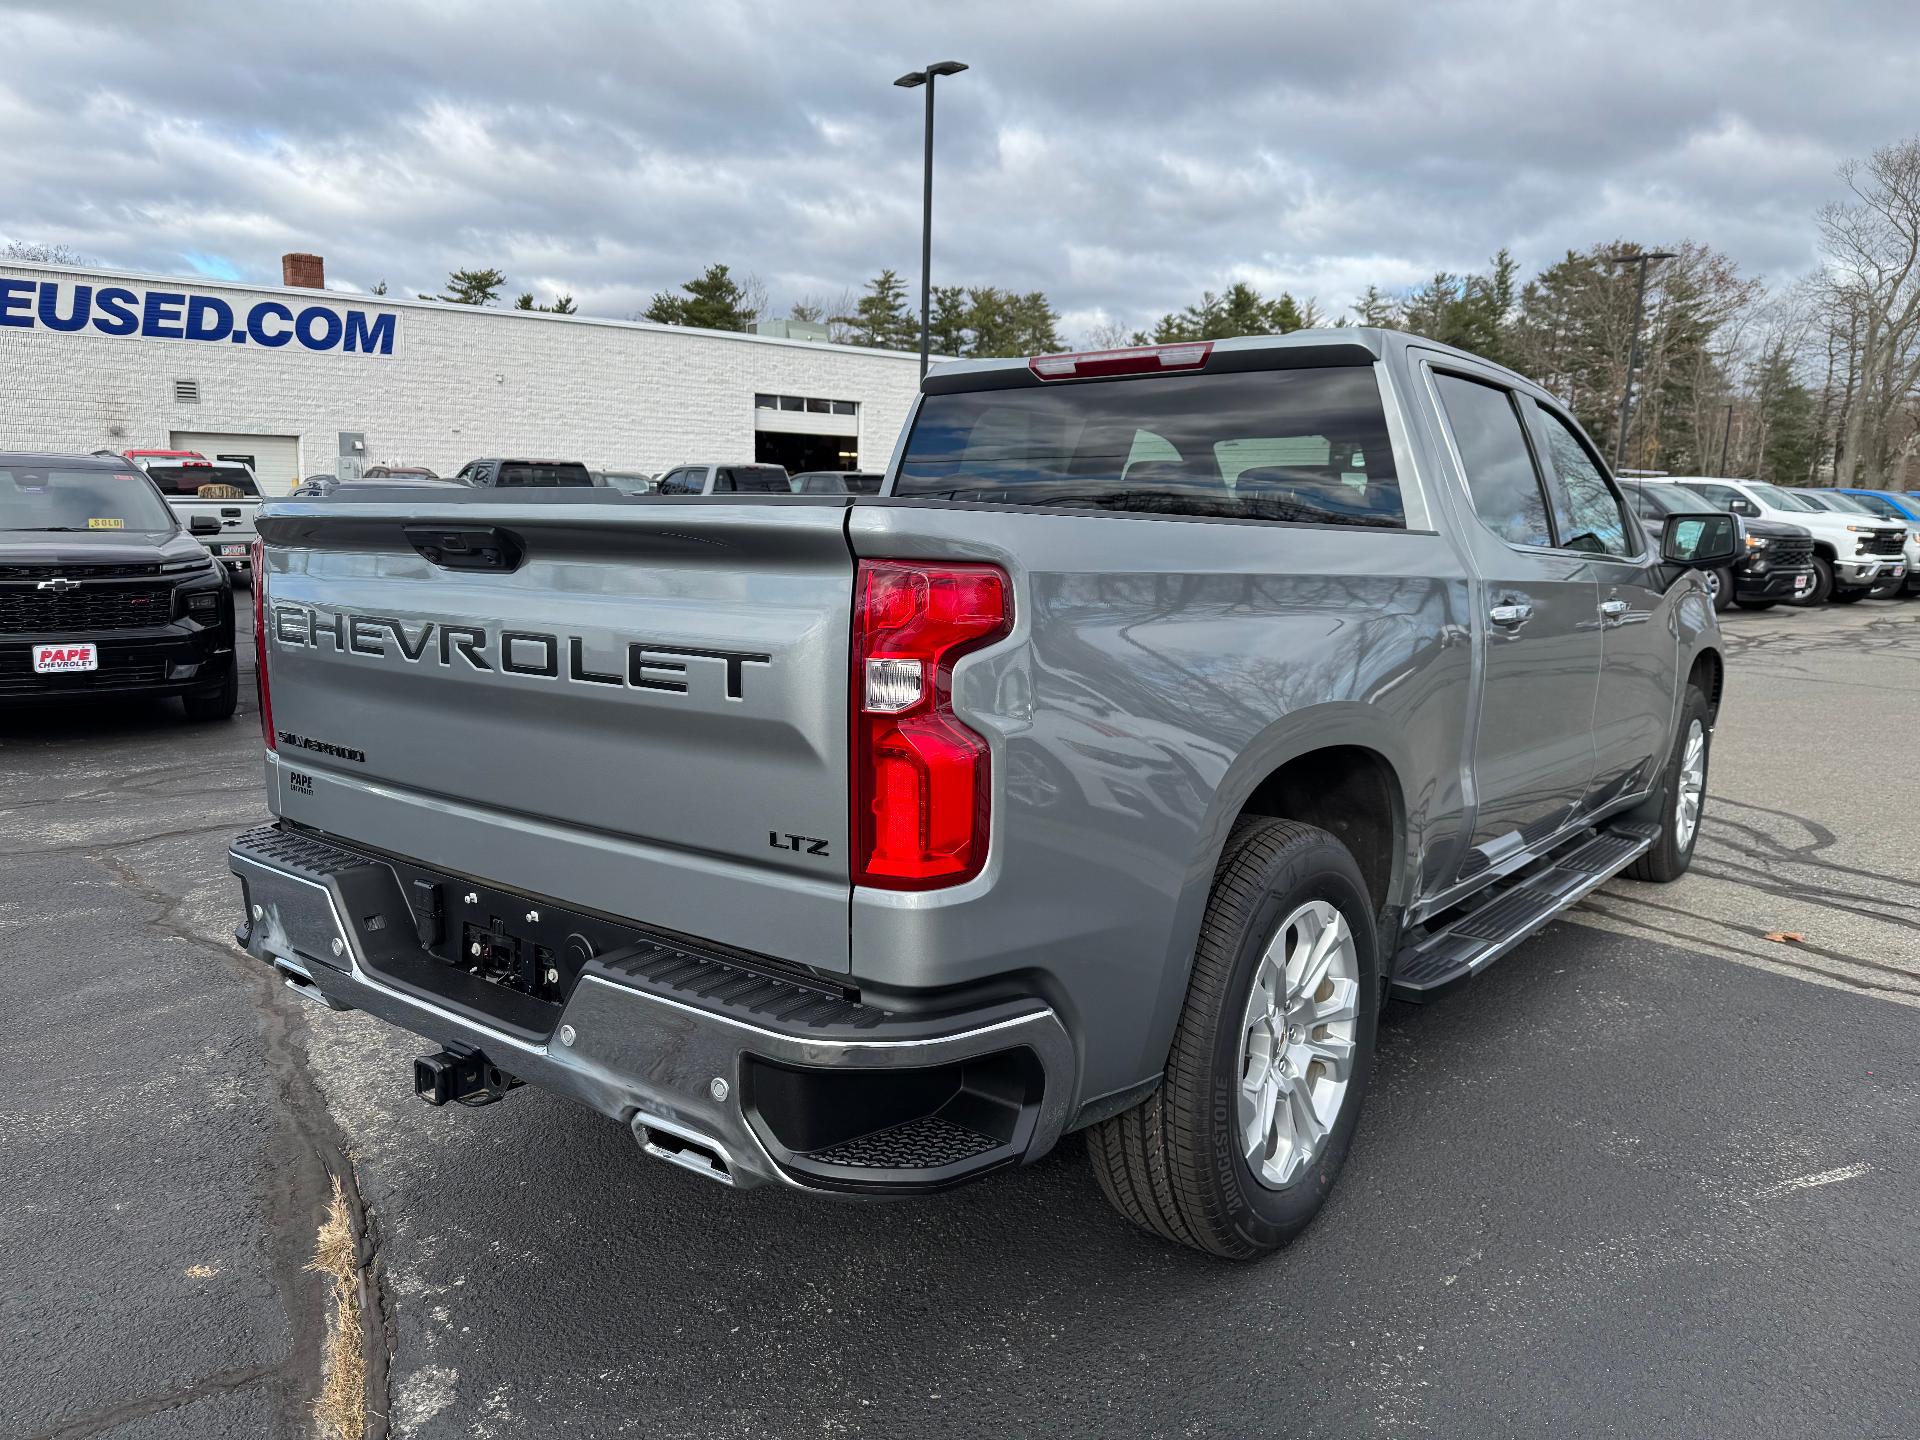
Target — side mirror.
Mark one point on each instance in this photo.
(203, 525)
(1699, 542)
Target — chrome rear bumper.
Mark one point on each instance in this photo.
(739, 1075)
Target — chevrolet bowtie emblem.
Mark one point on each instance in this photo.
(59, 585)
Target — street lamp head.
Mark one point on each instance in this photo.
(915, 79)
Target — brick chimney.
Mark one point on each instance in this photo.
(309, 272)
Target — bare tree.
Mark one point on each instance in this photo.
(1107, 335)
(44, 254)
(1872, 250)
(753, 298)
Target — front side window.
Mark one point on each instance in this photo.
(1587, 513)
(1302, 446)
(1493, 449)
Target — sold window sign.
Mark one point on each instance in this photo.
(209, 319)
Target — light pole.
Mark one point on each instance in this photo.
(926, 77)
(1633, 348)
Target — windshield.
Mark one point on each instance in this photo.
(36, 498)
(1881, 506)
(1667, 500)
(1849, 503)
(1303, 446)
(227, 481)
(1784, 499)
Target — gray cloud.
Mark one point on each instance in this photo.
(1122, 157)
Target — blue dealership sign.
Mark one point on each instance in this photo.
(176, 315)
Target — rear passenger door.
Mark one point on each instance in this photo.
(1640, 647)
(1537, 626)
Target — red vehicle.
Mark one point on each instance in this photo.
(175, 457)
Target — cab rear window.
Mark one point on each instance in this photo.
(1303, 447)
(544, 476)
(188, 480)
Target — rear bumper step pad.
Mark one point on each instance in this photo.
(743, 1076)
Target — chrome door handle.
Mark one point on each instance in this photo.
(1614, 611)
(1513, 615)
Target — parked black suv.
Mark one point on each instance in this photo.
(1775, 562)
(104, 592)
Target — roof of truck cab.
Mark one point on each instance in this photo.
(47, 457)
(1371, 341)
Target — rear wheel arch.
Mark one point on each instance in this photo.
(1274, 781)
(1353, 793)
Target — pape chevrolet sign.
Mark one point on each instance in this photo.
(175, 315)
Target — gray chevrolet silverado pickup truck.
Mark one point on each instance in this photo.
(1165, 712)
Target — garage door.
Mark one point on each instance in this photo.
(275, 458)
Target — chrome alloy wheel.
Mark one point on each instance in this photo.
(1693, 785)
(1297, 1042)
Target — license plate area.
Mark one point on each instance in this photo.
(238, 552)
(65, 659)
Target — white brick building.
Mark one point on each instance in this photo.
(307, 381)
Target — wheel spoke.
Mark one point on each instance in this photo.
(1335, 1054)
(1308, 1129)
(1342, 1004)
(1319, 955)
(1258, 1135)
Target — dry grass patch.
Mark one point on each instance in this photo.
(341, 1411)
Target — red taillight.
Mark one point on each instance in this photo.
(920, 792)
(1138, 360)
(260, 642)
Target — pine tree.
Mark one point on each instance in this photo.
(714, 301)
(881, 318)
(947, 329)
(472, 287)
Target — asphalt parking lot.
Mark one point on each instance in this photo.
(1655, 1173)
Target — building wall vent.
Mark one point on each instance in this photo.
(186, 392)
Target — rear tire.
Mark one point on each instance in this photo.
(1180, 1164)
(1887, 590)
(1672, 853)
(216, 704)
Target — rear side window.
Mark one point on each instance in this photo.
(1288, 446)
(1586, 512)
(544, 475)
(1493, 449)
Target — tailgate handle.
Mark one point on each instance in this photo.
(467, 547)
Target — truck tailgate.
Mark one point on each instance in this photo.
(646, 716)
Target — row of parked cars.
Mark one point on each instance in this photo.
(1798, 547)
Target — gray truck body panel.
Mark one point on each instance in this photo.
(1159, 670)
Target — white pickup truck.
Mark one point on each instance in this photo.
(221, 491)
(1851, 553)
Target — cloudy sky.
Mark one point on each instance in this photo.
(1120, 156)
